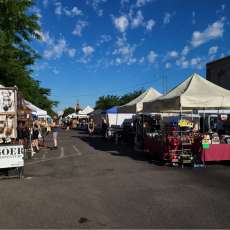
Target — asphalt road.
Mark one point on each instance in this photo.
(91, 183)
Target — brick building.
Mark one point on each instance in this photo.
(218, 72)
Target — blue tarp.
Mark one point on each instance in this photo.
(111, 110)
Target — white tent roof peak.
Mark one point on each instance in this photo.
(148, 95)
(86, 110)
(136, 105)
(194, 92)
(196, 85)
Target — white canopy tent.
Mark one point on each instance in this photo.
(81, 114)
(86, 110)
(76, 115)
(194, 93)
(136, 105)
(40, 113)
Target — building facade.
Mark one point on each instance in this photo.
(218, 72)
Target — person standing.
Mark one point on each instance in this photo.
(104, 127)
(91, 127)
(55, 129)
(35, 134)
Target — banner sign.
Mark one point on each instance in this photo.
(11, 156)
(185, 123)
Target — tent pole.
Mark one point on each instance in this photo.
(203, 119)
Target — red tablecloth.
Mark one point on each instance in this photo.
(216, 152)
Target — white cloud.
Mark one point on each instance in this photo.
(142, 59)
(150, 24)
(41, 66)
(185, 51)
(88, 50)
(168, 65)
(213, 31)
(124, 52)
(213, 50)
(56, 48)
(223, 6)
(96, 5)
(197, 62)
(75, 11)
(104, 38)
(121, 23)
(58, 8)
(80, 25)
(182, 62)
(71, 52)
(45, 37)
(87, 54)
(55, 71)
(37, 11)
(137, 20)
(172, 54)
(152, 57)
(141, 3)
(167, 17)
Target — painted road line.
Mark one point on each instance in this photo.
(50, 159)
(43, 156)
(62, 153)
(77, 150)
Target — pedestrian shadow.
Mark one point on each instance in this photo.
(120, 150)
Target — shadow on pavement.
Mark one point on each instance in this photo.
(121, 149)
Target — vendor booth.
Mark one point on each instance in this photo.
(183, 137)
(115, 118)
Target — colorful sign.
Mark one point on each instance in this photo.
(185, 123)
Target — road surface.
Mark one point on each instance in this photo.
(91, 183)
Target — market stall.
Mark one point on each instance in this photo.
(191, 95)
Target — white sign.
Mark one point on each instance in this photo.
(11, 156)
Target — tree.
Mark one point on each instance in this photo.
(18, 27)
(68, 111)
(130, 96)
(105, 102)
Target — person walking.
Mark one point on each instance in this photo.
(55, 129)
(91, 127)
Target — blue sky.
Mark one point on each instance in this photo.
(91, 48)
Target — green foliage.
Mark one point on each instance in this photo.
(106, 102)
(130, 96)
(68, 111)
(18, 28)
